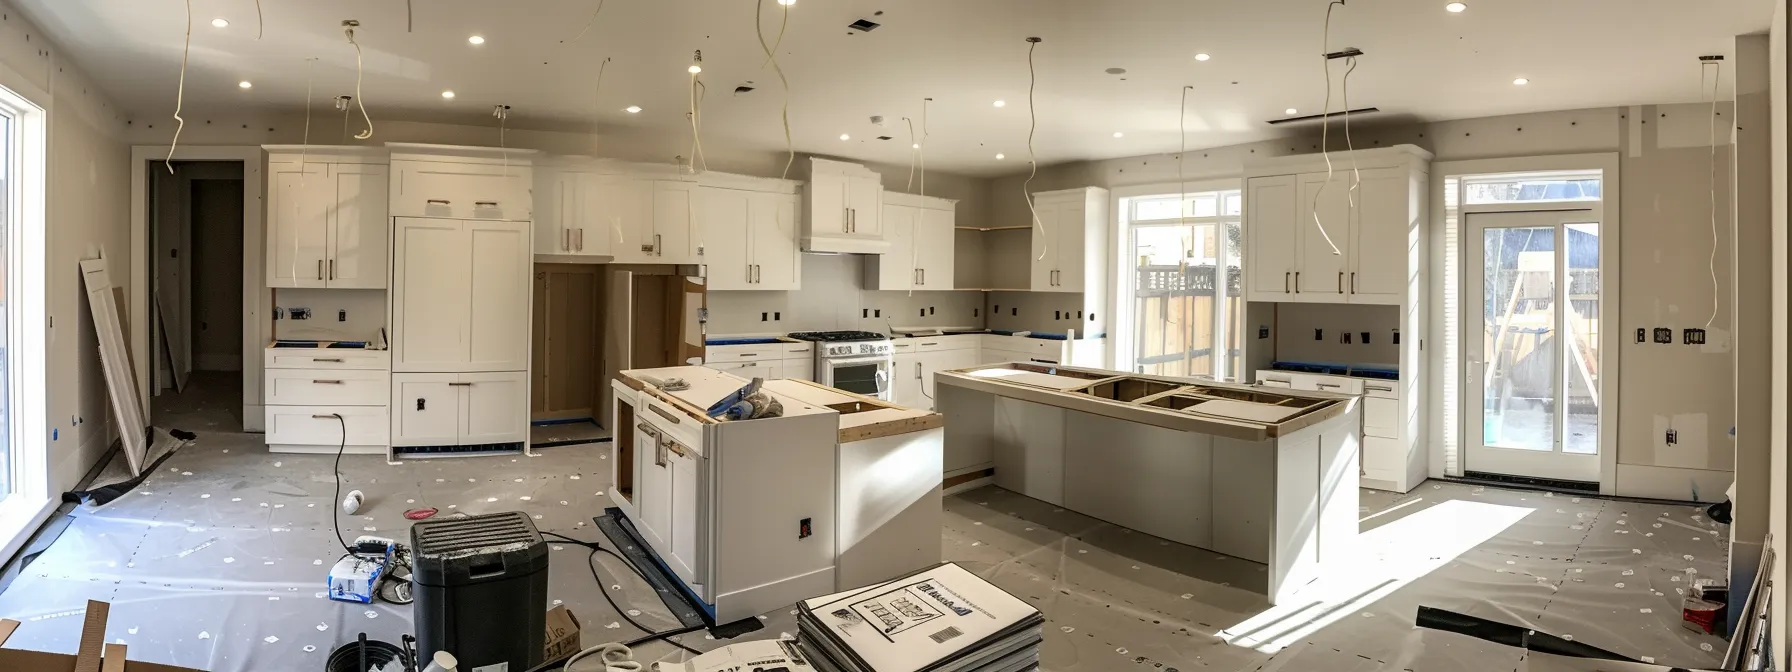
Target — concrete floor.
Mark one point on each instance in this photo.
(218, 562)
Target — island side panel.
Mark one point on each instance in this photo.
(1029, 449)
(890, 510)
(1294, 549)
(1339, 475)
(1244, 490)
(1147, 478)
(770, 475)
(970, 422)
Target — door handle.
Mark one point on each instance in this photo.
(320, 269)
(1285, 276)
(676, 449)
(436, 200)
(1328, 386)
(749, 274)
(758, 273)
(1340, 282)
(648, 430)
(1378, 389)
(659, 453)
(923, 276)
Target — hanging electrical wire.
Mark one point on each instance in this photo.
(698, 162)
(771, 58)
(923, 144)
(305, 145)
(180, 91)
(348, 28)
(597, 97)
(344, 104)
(1716, 86)
(1325, 149)
(1181, 188)
(502, 112)
(259, 23)
(591, 22)
(410, 17)
(1033, 159)
(913, 149)
(1356, 176)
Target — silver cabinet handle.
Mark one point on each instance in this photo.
(1378, 389)
(749, 354)
(923, 276)
(332, 269)
(1297, 282)
(565, 240)
(668, 416)
(658, 250)
(1340, 282)
(337, 360)
(326, 382)
(489, 204)
(1285, 276)
(320, 269)
(659, 453)
(460, 384)
(1329, 386)
(917, 370)
(647, 429)
(581, 240)
(323, 417)
(758, 273)
(436, 200)
(749, 274)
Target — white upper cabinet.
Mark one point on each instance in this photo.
(843, 209)
(676, 239)
(625, 212)
(1069, 250)
(749, 238)
(919, 230)
(1372, 221)
(568, 216)
(327, 221)
(488, 185)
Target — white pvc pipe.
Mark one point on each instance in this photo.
(443, 662)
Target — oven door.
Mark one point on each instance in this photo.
(869, 376)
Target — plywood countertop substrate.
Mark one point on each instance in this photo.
(799, 397)
(887, 420)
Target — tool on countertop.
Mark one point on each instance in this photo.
(747, 403)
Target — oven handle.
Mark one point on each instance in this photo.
(868, 359)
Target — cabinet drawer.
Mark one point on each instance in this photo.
(314, 387)
(1381, 416)
(1273, 382)
(1383, 455)
(324, 359)
(717, 354)
(798, 350)
(461, 190)
(314, 426)
(672, 424)
(1337, 384)
(1385, 389)
(770, 369)
(935, 343)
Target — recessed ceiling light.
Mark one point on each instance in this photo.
(1118, 134)
(220, 23)
(632, 109)
(1001, 103)
(447, 94)
(694, 69)
(475, 40)
(1456, 7)
(786, 3)
(1291, 111)
(1521, 81)
(244, 84)
(1202, 57)
(844, 136)
(915, 146)
(999, 157)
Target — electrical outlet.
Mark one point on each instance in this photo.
(300, 313)
(1397, 339)
(1262, 332)
(1344, 338)
(976, 312)
(804, 528)
(1695, 337)
(341, 316)
(778, 316)
(1642, 335)
(764, 317)
(1664, 335)
(1318, 334)
(931, 310)
(864, 313)
(1673, 437)
(1057, 314)
(1365, 338)
(877, 313)
(923, 312)
(1014, 312)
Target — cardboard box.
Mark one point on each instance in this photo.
(93, 654)
(563, 633)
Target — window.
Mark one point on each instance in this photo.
(24, 482)
(1186, 300)
(1531, 188)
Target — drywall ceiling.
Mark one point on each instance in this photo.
(1422, 63)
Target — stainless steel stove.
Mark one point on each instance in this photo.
(860, 362)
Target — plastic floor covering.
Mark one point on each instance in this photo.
(217, 562)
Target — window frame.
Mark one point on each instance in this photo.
(1124, 346)
(27, 312)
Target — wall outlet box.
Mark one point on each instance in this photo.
(1642, 335)
(1664, 335)
(1695, 337)
(300, 313)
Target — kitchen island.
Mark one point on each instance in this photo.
(1268, 476)
(839, 491)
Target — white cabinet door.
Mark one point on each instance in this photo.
(426, 409)
(1272, 230)
(494, 407)
(589, 233)
(800, 369)
(625, 214)
(1383, 237)
(461, 190)
(674, 225)
(725, 217)
(909, 371)
(431, 294)
(687, 508)
(827, 204)
(1321, 273)
(359, 226)
(864, 206)
(935, 244)
(895, 268)
(1072, 228)
(298, 224)
(498, 267)
(556, 211)
(777, 253)
(653, 490)
(769, 370)
(1044, 254)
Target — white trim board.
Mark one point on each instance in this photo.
(258, 300)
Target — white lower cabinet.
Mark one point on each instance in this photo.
(319, 427)
(1387, 446)
(321, 400)
(459, 409)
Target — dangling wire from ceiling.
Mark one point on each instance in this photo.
(180, 91)
(771, 58)
(502, 112)
(345, 103)
(1356, 176)
(1181, 188)
(1716, 87)
(591, 22)
(348, 28)
(913, 153)
(699, 163)
(922, 150)
(597, 98)
(259, 23)
(305, 145)
(1033, 159)
(1326, 124)
(410, 17)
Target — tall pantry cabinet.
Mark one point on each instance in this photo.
(460, 299)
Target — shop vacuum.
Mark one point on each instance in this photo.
(481, 590)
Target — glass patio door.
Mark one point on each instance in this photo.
(1532, 347)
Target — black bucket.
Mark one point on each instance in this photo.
(347, 658)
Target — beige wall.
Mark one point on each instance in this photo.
(1666, 241)
(88, 193)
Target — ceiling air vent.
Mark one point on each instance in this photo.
(863, 25)
(1315, 117)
